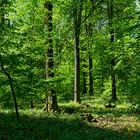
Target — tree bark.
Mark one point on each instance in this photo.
(90, 75)
(11, 86)
(102, 81)
(51, 99)
(84, 91)
(77, 75)
(112, 39)
(90, 61)
(77, 27)
(114, 96)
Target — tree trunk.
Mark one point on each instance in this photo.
(112, 39)
(77, 74)
(84, 91)
(11, 86)
(51, 99)
(90, 76)
(1, 61)
(114, 97)
(32, 104)
(77, 27)
(102, 81)
(90, 62)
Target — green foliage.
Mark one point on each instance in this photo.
(23, 49)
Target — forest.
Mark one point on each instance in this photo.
(69, 69)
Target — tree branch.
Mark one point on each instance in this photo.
(92, 9)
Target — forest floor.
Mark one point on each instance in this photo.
(90, 120)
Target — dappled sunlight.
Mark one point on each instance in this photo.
(69, 70)
(53, 127)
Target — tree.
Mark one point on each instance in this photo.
(90, 61)
(51, 101)
(77, 27)
(112, 39)
(3, 34)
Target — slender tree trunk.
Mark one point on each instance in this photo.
(112, 39)
(102, 81)
(77, 74)
(84, 91)
(90, 75)
(30, 76)
(77, 27)
(32, 104)
(11, 86)
(90, 61)
(1, 61)
(51, 99)
(114, 96)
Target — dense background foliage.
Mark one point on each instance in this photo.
(78, 58)
(23, 49)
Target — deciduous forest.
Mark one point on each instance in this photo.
(69, 69)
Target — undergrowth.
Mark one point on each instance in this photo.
(121, 122)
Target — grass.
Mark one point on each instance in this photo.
(112, 124)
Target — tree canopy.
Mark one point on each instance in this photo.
(54, 50)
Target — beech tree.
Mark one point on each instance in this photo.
(77, 27)
(51, 99)
(112, 39)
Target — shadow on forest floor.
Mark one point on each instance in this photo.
(43, 127)
(97, 106)
(100, 110)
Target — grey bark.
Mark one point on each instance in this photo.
(77, 27)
